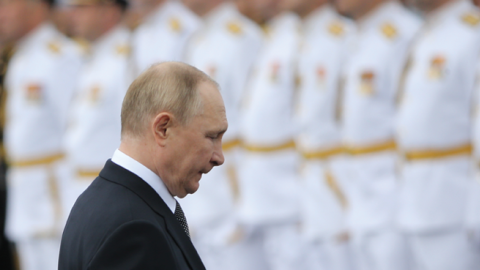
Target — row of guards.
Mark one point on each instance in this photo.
(353, 137)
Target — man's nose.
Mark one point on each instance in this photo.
(218, 158)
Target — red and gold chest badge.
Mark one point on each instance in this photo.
(367, 82)
(211, 70)
(321, 74)
(437, 68)
(274, 71)
(34, 92)
(94, 94)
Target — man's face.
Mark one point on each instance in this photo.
(87, 20)
(13, 18)
(196, 147)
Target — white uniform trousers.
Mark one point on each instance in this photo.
(372, 195)
(380, 250)
(433, 213)
(323, 215)
(331, 254)
(448, 250)
(35, 213)
(225, 245)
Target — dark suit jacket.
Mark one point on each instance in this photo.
(120, 222)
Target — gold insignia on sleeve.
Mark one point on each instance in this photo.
(34, 92)
(54, 47)
(274, 72)
(367, 83)
(389, 30)
(437, 67)
(123, 49)
(336, 28)
(471, 19)
(298, 80)
(175, 24)
(234, 28)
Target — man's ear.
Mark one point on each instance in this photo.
(161, 127)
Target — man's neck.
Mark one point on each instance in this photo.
(205, 11)
(367, 11)
(311, 9)
(437, 6)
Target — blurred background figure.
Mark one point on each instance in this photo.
(224, 48)
(385, 30)
(94, 127)
(434, 132)
(6, 52)
(39, 83)
(62, 17)
(267, 171)
(323, 52)
(163, 33)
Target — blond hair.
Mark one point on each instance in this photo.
(165, 87)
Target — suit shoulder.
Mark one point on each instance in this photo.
(139, 243)
(98, 212)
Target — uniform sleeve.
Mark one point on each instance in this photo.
(134, 245)
(246, 60)
(62, 86)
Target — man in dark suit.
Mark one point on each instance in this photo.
(173, 120)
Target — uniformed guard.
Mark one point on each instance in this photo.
(6, 259)
(164, 32)
(323, 52)
(39, 83)
(434, 133)
(385, 31)
(224, 48)
(93, 131)
(268, 167)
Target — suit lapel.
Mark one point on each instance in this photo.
(117, 174)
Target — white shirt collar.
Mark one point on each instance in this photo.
(147, 175)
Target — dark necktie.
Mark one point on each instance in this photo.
(181, 218)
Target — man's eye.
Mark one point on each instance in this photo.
(212, 136)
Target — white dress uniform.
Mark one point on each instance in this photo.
(40, 84)
(473, 213)
(164, 35)
(434, 132)
(379, 52)
(93, 131)
(225, 49)
(324, 48)
(269, 164)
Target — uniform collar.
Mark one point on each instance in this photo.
(378, 15)
(161, 12)
(41, 32)
(110, 40)
(448, 10)
(318, 17)
(219, 13)
(284, 21)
